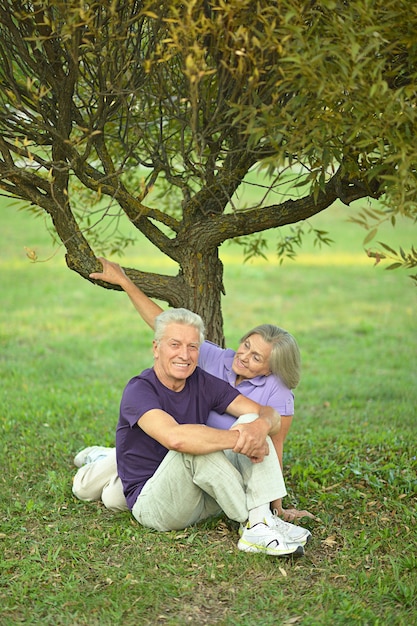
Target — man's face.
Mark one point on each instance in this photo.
(176, 355)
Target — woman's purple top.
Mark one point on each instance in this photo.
(266, 390)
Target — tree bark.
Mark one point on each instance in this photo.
(203, 275)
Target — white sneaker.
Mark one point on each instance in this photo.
(291, 532)
(268, 540)
(90, 455)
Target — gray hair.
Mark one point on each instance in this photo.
(178, 316)
(285, 359)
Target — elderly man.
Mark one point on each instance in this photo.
(175, 470)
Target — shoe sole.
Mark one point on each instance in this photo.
(300, 542)
(256, 548)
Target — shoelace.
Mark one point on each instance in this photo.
(281, 525)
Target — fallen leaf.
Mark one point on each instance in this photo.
(330, 487)
(330, 541)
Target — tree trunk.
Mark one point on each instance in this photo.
(203, 276)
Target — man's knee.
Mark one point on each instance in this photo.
(81, 492)
(113, 498)
(83, 487)
(246, 418)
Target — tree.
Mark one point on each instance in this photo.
(157, 111)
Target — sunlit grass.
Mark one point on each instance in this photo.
(67, 348)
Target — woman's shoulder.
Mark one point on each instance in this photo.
(214, 359)
(208, 350)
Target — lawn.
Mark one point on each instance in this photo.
(67, 350)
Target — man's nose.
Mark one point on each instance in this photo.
(184, 353)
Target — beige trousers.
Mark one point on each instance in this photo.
(99, 481)
(188, 488)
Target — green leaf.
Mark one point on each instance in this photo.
(386, 247)
(394, 266)
(370, 236)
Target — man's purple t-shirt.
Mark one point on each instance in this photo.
(265, 390)
(138, 455)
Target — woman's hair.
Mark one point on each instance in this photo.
(178, 316)
(285, 359)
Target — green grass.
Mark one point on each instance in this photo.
(67, 350)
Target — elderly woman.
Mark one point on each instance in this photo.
(265, 368)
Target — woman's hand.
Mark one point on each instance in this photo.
(289, 515)
(112, 272)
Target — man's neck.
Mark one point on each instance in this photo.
(174, 384)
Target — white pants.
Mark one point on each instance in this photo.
(188, 488)
(99, 481)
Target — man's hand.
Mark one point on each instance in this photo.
(252, 440)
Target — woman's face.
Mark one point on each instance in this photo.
(252, 358)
